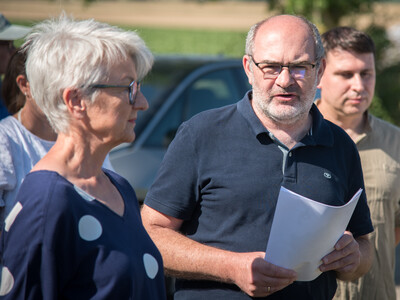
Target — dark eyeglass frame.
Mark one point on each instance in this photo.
(133, 87)
(289, 66)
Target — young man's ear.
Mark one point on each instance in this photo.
(74, 102)
(322, 66)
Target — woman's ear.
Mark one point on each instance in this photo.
(23, 84)
(74, 102)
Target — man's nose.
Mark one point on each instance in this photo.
(284, 78)
(357, 83)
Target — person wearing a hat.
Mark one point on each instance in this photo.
(8, 34)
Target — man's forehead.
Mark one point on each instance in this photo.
(287, 27)
(282, 44)
(346, 55)
(282, 25)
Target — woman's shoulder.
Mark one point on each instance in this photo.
(40, 184)
(34, 202)
(46, 190)
(11, 126)
(48, 197)
(11, 129)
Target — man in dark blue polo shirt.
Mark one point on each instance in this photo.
(211, 207)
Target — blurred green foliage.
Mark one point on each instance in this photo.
(325, 13)
(387, 90)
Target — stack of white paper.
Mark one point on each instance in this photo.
(304, 231)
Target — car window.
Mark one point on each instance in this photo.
(158, 84)
(214, 89)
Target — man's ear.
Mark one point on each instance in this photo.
(246, 66)
(321, 70)
(74, 102)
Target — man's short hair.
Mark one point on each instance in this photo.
(348, 39)
(319, 49)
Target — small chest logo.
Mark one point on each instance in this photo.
(327, 175)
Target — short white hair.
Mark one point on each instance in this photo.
(66, 53)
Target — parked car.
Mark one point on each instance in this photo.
(177, 88)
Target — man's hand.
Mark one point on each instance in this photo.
(259, 278)
(351, 258)
(186, 258)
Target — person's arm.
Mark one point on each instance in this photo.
(397, 235)
(185, 258)
(351, 258)
(8, 177)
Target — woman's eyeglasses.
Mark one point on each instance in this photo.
(134, 88)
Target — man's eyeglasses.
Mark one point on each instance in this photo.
(134, 88)
(272, 70)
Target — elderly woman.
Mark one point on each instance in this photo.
(25, 136)
(75, 231)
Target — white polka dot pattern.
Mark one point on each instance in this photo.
(12, 215)
(150, 265)
(7, 281)
(89, 228)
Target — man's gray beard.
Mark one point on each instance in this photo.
(295, 114)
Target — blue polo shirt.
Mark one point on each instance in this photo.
(222, 175)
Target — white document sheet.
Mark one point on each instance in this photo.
(304, 231)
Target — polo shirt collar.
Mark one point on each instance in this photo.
(320, 134)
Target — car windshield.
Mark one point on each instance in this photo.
(162, 79)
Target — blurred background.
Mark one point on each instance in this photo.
(218, 28)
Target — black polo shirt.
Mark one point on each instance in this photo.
(222, 175)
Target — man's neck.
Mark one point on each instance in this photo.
(288, 134)
(354, 125)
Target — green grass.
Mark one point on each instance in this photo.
(185, 41)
